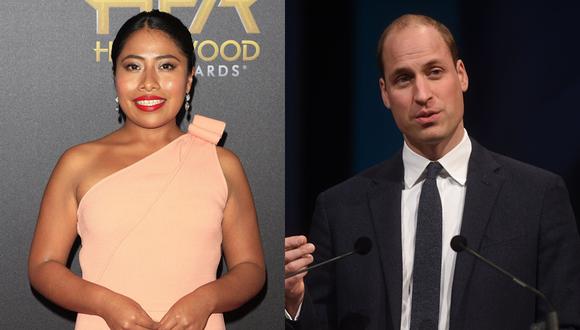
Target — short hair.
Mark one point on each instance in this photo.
(416, 19)
(172, 27)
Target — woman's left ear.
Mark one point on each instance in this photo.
(190, 80)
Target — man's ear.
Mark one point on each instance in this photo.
(384, 93)
(462, 75)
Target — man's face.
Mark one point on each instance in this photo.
(423, 87)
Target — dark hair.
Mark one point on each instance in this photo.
(173, 28)
(414, 19)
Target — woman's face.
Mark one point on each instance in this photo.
(151, 79)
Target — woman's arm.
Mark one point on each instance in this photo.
(241, 240)
(53, 238)
(243, 253)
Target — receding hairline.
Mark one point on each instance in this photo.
(415, 20)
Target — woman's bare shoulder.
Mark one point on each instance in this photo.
(230, 162)
(233, 172)
(81, 153)
(76, 159)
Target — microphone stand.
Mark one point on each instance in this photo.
(459, 243)
(362, 246)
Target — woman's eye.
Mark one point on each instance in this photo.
(167, 66)
(132, 67)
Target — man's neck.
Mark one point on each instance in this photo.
(436, 151)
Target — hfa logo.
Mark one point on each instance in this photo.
(225, 52)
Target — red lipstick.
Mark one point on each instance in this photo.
(149, 103)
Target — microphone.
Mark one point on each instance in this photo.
(459, 244)
(362, 246)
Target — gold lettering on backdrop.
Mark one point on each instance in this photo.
(166, 5)
(236, 54)
(245, 44)
(201, 16)
(98, 50)
(102, 7)
(243, 9)
(206, 7)
(202, 45)
(208, 50)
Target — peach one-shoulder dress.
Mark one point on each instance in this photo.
(152, 231)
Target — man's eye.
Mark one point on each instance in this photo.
(167, 66)
(435, 73)
(402, 80)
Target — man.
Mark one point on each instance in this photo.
(440, 185)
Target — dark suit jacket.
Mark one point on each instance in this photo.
(517, 215)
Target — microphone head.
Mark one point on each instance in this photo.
(363, 245)
(458, 243)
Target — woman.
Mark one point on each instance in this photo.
(153, 206)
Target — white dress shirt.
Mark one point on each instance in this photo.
(451, 185)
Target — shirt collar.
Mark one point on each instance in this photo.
(454, 162)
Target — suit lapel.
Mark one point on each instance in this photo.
(385, 205)
(384, 197)
(483, 186)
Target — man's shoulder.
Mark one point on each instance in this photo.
(356, 187)
(520, 171)
(529, 179)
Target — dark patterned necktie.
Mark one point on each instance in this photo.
(427, 261)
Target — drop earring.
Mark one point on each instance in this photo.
(118, 109)
(187, 107)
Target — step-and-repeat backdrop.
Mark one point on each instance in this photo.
(56, 91)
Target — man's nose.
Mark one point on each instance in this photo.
(422, 91)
